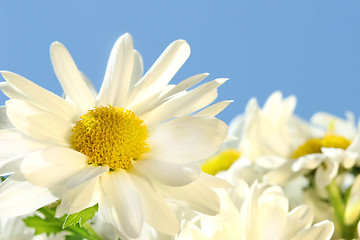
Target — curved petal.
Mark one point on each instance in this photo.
(168, 173)
(117, 78)
(138, 70)
(161, 72)
(19, 196)
(157, 213)
(70, 78)
(196, 195)
(326, 173)
(85, 175)
(320, 231)
(41, 97)
(125, 200)
(53, 166)
(186, 139)
(38, 124)
(79, 198)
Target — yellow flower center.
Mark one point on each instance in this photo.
(314, 145)
(220, 162)
(110, 136)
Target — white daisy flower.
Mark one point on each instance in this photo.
(257, 213)
(126, 148)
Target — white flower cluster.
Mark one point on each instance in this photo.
(137, 159)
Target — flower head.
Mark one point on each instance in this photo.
(125, 148)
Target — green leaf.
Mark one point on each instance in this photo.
(43, 225)
(81, 217)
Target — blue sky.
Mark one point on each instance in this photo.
(307, 48)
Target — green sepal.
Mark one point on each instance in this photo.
(80, 217)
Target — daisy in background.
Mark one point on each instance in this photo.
(265, 140)
(126, 148)
(255, 213)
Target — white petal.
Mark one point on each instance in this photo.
(41, 97)
(187, 139)
(86, 175)
(38, 124)
(70, 78)
(126, 201)
(89, 84)
(13, 143)
(4, 120)
(352, 209)
(184, 104)
(299, 219)
(79, 198)
(320, 231)
(214, 109)
(10, 92)
(310, 161)
(156, 211)
(138, 70)
(53, 166)
(19, 196)
(161, 72)
(186, 84)
(117, 78)
(196, 195)
(212, 181)
(168, 173)
(325, 174)
(11, 165)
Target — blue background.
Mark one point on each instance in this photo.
(309, 48)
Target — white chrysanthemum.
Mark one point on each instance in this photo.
(326, 155)
(251, 214)
(266, 138)
(126, 148)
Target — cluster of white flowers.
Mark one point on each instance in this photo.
(146, 159)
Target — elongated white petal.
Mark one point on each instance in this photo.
(126, 201)
(168, 173)
(156, 211)
(9, 91)
(138, 70)
(187, 139)
(212, 181)
(53, 166)
(186, 84)
(214, 109)
(320, 231)
(41, 97)
(117, 78)
(19, 196)
(70, 78)
(196, 195)
(38, 124)
(161, 72)
(184, 104)
(326, 173)
(299, 218)
(85, 175)
(77, 199)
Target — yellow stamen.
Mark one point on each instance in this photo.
(314, 145)
(110, 136)
(220, 162)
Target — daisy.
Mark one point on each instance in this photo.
(126, 148)
(256, 213)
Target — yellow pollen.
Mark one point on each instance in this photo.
(220, 162)
(110, 136)
(314, 145)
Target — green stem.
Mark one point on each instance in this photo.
(336, 200)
